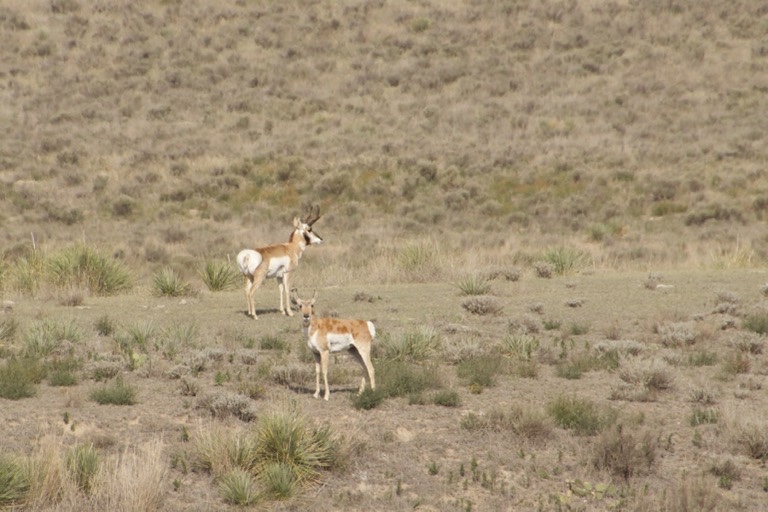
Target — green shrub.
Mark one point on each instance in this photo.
(27, 273)
(219, 275)
(447, 398)
(368, 399)
(84, 267)
(83, 464)
(401, 378)
(578, 414)
(18, 378)
(105, 326)
(62, 378)
(14, 482)
(702, 358)
(270, 342)
(415, 345)
(480, 372)
(757, 322)
(116, 393)
(168, 283)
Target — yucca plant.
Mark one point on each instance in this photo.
(474, 285)
(46, 337)
(239, 487)
(219, 275)
(14, 482)
(280, 480)
(169, 283)
(82, 266)
(416, 344)
(289, 440)
(565, 260)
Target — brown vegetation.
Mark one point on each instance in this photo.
(503, 185)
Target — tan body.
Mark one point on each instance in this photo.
(277, 261)
(327, 335)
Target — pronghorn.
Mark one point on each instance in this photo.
(326, 335)
(277, 261)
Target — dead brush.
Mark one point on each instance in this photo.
(677, 334)
(624, 453)
(748, 342)
(226, 404)
(482, 305)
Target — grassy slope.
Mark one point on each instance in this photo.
(170, 130)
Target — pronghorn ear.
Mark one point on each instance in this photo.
(294, 296)
(296, 222)
(314, 298)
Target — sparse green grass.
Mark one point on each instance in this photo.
(115, 393)
(625, 453)
(83, 462)
(8, 329)
(105, 326)
(273, 342)
(219, 275)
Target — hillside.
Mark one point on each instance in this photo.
(168, 131)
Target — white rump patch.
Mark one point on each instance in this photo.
(371, 329)
(248, 261)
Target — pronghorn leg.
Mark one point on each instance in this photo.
(285, 302)
(255, 281)
(324, 357)
(317, 374)
(363, 357)
(248, 285)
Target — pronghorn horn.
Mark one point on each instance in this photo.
(313, 213)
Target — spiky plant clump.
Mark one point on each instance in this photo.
(239, 487)
(168, 283)
(474, 285)
(579, 414)
(289, 440)
(219, 275)
(14, 482)
(83, 462)
(81, 266)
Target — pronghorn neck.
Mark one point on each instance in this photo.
(298, 241)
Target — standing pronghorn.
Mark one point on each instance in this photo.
(326, 335)
(277, 261)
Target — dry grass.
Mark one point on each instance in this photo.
(596, 168)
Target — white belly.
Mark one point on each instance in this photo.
(278, 266)
(336, 342)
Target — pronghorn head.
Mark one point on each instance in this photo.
(306, 307)
(303, 225)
